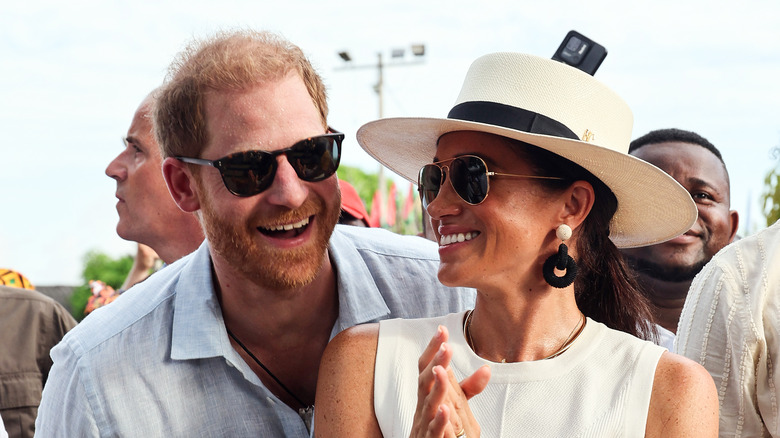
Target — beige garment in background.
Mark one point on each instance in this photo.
(730, 325)
(30, 325)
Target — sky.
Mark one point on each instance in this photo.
(74, 72)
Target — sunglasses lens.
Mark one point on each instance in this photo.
(247, 173)
(429, 183)
(468, 176)
(317, 158)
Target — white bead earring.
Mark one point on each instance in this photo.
(561, 261)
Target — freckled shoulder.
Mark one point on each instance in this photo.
(345, 387)
(684, 401)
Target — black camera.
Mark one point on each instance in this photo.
(581, 52)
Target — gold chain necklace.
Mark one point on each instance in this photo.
(575, 333)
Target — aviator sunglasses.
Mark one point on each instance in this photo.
(468, 175)
(251, 172)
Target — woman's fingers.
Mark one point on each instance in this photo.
(475, 383)
(429, 406)
(429, 395)
(458, 394)
(430, 351)
(440, 425)
(438, 394)
(425, 380)
(442, 401)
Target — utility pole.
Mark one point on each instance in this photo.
(418, 52)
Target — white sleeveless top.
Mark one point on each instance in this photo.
(600, 387)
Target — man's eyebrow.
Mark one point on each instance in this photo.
(701, 182)
(131, 140)
(710, 184)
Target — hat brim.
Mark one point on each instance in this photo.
(652, 206)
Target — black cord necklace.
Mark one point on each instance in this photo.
(306, 411)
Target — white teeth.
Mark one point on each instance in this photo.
(288, 227)
(460, 237)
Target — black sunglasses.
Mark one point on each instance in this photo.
(251, 172)
(468, 175)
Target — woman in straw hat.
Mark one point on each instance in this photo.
(530, 192)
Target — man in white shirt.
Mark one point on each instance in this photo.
(730, 324)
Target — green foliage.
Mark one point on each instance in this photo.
(364, 183)
(98, 266)
(771, 196)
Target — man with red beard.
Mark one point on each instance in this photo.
(666, 270)
(227, 341)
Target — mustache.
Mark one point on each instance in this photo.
(663, 272)
(284, 216)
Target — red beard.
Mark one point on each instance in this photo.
(242, 244)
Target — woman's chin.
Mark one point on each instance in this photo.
(451, 276)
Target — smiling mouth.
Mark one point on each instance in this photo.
(286, 230)
(455, 238)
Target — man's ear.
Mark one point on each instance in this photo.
(578, 201)
(734, 219)
(181, 184)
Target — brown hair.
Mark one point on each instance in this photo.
(606, 288)
(227, 61)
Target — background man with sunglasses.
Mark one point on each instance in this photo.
(227, 341)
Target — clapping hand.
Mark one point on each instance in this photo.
(442, 402)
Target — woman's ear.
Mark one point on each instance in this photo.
(578, 201)
(181, 184)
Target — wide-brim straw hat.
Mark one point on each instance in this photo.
(558, 108)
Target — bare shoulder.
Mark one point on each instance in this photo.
(684, 400)
(353, 340)
(345, 386)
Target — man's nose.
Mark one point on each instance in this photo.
(116, 169)
(287, 189)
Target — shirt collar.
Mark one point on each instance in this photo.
(198, 328)
(360, 300)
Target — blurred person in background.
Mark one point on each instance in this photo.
(665, 270)
(30, 325)
(353, 210)
(730, 324)
(147, 213)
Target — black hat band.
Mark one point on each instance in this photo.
(511, 117)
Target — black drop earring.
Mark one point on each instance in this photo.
(561, 261)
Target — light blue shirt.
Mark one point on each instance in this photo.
(158, 361)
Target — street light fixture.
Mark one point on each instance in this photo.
(397, 56)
